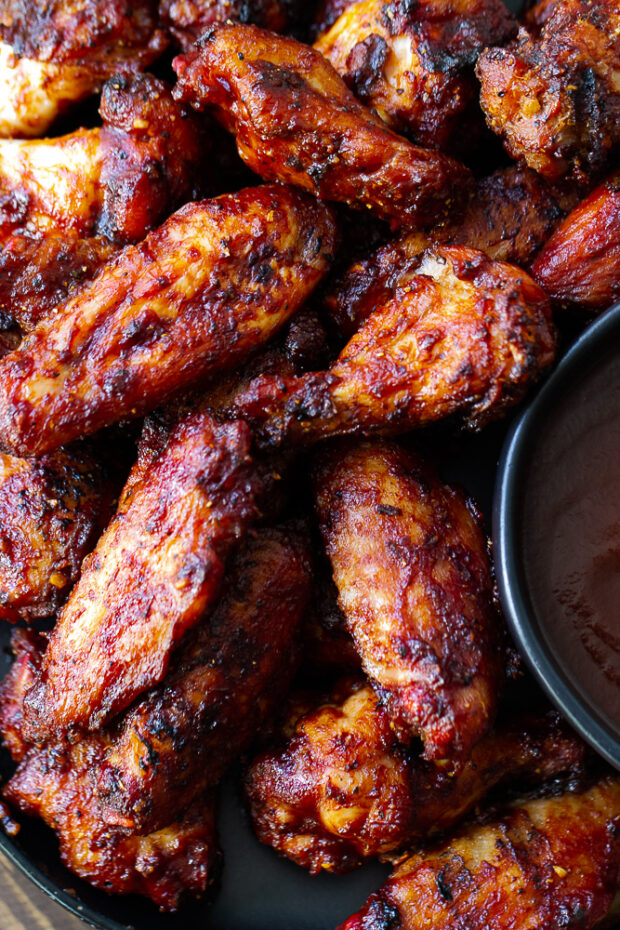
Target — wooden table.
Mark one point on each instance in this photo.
(24, 907)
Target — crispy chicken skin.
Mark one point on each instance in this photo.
(413, 63)
(580, 264)
(197, 297)
(342, 788)
(295, 120)
(555, 99)
(187, 20)
(119, 180)
(466, 337)
(27, 646)
(54, 783)
(36, 274)
(56, 54)
(224, 682)
(414, 582)
(52, 510)
(546, 863)
(173, 532)
(511, 215)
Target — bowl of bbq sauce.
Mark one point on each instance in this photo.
(556, 529)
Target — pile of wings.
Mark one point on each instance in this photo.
(289, 240)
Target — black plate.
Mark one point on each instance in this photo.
(525, 446)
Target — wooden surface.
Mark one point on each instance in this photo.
(24, 907)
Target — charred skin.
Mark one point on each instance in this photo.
(197, 297)
(554, 99)
(224, 683)
(37, 274)
(28, 647)
(547, 863)
(466, 337)
(54, 783)
(118, 181)
(296, 121)
(174, 530)
(414, 582)
(52, 511)
(580, 264)
(327, 645)
(413, 64)
(343, 788)
(187, 20)
(510, 217)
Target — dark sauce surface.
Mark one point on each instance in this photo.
(570, 534)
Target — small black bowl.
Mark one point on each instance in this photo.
(545, 450)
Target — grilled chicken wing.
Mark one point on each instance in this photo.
(342, 788)
(55, 54)
(36, 274)
(466, 336)
(52, 510)
(413, 63)
(580, 264)
(154, 573)
(117, 181)
(296, 120)
(200, 294)
(555, 99)
(511, 215)
(187, 20)
(549, 863)
(414, 582)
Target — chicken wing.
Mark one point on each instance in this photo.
(54, 783)
(52, 511)
(580, 264)
(36, 274)
(342, 788)
(118, 181)
(554, 99)
(187, 20)
(296, 121)
(548, 863)
(414, 582)
(466, 337)
(511, 215)
(198, 296)
(173, 532)
(413, 63)
(56, 54)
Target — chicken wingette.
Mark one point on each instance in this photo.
(52, 511)
(197, 297)
(412, 63)
(296, 121)
(554, 99)
(119, 180)
(466, 337)
(580, 263)
(414, 580)
(342, 788)
(541, 865)
(56, 54)
(155, 571)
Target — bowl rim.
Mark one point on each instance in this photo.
(593, 344)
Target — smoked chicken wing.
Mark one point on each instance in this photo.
(413, 63)
(187, 20)
(342, 788)
(119, 180)
(155, 571)
(466, 337)
(414, 582)
(542, 864)
(296, 121)
(197, 297)
(554, 99)
(580, 264)
(52, 55)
